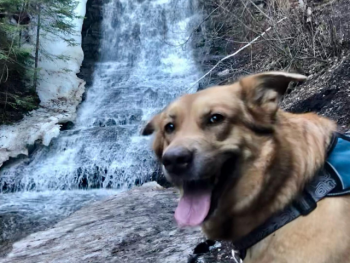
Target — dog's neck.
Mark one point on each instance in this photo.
(273, 171)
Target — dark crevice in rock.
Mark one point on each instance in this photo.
(91, 37)
(67, 126)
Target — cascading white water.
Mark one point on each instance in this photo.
(142, 68)
(146, 61)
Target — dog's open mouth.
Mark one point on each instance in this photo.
(200, 197)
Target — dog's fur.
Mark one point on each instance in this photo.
(275, 152)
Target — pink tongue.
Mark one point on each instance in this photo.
(193, 208)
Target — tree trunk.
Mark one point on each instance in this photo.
(20, 29)
(37, 49)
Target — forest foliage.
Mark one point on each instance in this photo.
(23, 23)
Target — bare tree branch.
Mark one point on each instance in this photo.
(238, 51)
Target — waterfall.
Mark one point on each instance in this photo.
(146, 61)
(142, 68)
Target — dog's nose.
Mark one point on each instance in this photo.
(177, 160)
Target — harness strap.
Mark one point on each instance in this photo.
(302, 206)
(320, 186)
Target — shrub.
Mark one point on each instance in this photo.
(306, 41)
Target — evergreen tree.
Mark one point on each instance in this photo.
(50, 17)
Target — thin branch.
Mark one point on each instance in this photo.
(238, 51)
(312, 58)
(6, 67)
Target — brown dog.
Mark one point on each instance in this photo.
(237, 159)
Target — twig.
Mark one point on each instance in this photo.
(5, 66)
(238, 51)
(312, 58)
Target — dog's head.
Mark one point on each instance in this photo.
(201, 139)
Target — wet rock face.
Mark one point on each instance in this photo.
(91, 36)
(134, 226)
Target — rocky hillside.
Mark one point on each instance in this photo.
(308, 37)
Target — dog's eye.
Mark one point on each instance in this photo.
(169, 128)
(216, 118)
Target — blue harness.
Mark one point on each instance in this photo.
(332, 180)
(339, 164)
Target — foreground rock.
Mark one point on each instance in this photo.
(134, 226)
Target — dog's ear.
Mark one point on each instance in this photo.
(265, 89)
(265, 86)
(261, 93)
(158, 142)
(150, 126)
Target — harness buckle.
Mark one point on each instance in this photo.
(305, 204)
